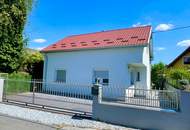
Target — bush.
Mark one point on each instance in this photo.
(178, 73)
(20, 76)
(4, 75)
(17, 82)
(183, 82)
(178, 77)
(157, 75)
(33, 64)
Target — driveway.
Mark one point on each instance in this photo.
(10, 123)
(69, 103)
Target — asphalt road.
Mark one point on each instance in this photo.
(10, 123)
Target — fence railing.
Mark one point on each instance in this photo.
(163, 99)
(37, 91)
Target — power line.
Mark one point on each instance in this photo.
(174, 29)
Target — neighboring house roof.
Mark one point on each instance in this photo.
(180, 56)
(137, 36)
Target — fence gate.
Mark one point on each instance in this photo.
(72, 98)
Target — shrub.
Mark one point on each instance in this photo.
(178, 73)
(17, 82)
(178, 77)
(20, 76)
(33, 64)
(157, 75)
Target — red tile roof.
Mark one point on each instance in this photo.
(137, 36)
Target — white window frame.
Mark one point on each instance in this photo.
(55, 79)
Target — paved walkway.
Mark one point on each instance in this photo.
(10, 123)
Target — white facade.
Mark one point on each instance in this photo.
(119, 62)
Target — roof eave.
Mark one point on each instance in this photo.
(178, 57)
(97, 48)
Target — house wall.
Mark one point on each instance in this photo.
(79, 65)
(179, 62)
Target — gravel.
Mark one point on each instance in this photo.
(59, 120)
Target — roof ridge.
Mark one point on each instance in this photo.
(107, 31)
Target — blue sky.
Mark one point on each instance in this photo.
(52, 20)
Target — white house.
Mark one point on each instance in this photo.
(118, 57)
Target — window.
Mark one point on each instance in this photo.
(138, 76)
(186, 60)
(60, 76)
(102, 75)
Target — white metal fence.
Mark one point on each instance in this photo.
(53, 94)
(163, 99)
(74, 96)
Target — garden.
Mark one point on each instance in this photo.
(31, 68)
(179, 78)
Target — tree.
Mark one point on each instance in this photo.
(33, 64)
(157, 75)
(13, 15)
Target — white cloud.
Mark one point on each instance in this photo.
(39, 40)
(184, 43)
(139, 24)
(164, 27)
(160, 48)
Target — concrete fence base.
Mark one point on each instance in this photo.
(144, 117)
(1, 89)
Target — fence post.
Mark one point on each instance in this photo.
(1, 89)
(33, 92)
(97, 92)
(97, 98)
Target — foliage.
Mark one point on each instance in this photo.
(178, 73)
(33, 64)
(157, 75)
(178, 77)
(20, 76)
(4, 75)
(16, 86)
(13, 14)
(17, 82)
(16, 76)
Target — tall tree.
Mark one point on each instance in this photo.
(13, 14)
